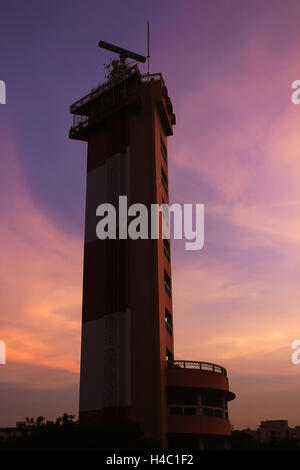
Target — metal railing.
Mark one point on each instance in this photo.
(197, 410)
(208, 366)
(152, 76)
(79, 120)
(102, 88)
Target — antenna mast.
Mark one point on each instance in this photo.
(148, 48)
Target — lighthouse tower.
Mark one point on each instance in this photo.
(127, 355)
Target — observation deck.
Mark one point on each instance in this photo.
(113, 96)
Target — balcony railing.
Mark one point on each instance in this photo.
(152, 76)
(102, 88)
(107, 85)
(208, 366)
(197, 410)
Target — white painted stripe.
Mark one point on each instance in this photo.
(104, 185)
(105, 362)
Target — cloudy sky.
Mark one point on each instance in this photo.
(228, 66)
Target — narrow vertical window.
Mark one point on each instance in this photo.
(167, 280)
(164, 179)
(163, 149)
(169, 322)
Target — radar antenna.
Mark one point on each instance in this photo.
(119, 68)
(123, 53)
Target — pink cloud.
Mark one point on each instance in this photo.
(40, 279)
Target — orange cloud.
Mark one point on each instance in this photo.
(40, 284)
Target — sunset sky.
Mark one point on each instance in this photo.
(229, 66)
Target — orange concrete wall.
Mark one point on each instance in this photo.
(198, 425)
(177, 377)
(127, 276)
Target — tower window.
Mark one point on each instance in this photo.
(166, 248)
(164, 179)
(182, 396)
(167, 280)
(212, 398)
(163, 149)
(175, 411)
(169, 355)
(190, 411)
(169, 322)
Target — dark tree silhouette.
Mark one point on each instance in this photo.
(66, 433)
